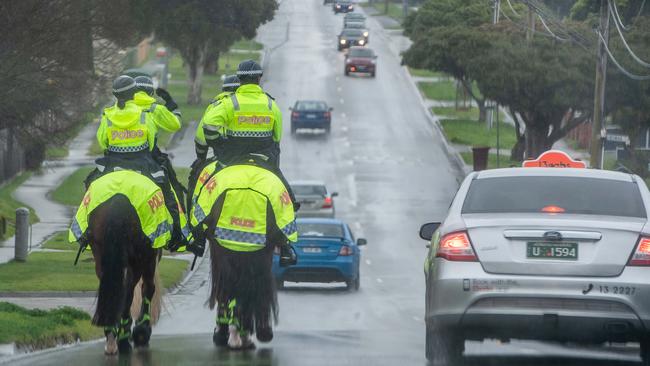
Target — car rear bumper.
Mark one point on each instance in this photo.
(311, 123)
(481, 305)
(360, 68)
(324, 213)
(340, 269)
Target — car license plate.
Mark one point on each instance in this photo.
(311, 116)
(311, 250)
(549, 250)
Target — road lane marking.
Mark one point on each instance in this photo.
(343, 115)
(342, 101)
(352, 188)
(339, 89)
(379, 280)
(368, 262)
(357, 224)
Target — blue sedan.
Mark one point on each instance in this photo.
(311, 114)
(327, 252)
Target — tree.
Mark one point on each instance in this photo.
(429, 29)
(201, 29)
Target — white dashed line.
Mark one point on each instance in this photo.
(368, 262)
(379, 280)
(339, 89)
(343, 115)
(417, 319)
(352, 188)
(342, 101)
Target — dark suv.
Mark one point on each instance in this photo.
(342, 7)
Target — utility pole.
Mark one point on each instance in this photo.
(497, 11)
(599, 93)
(530, 30)
(405, 8)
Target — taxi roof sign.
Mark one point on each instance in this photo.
(554, 159)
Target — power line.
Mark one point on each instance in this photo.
(550, 31)
(617, 17)
(620, 33)
(512, 8)
(618, 65)
(636, 18)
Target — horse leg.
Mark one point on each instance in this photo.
(239, 335)
(220, 336)
(124, 328)
(142, 330)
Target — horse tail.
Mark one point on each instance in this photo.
(111, 295)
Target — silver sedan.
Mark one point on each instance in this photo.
(540, 253)
(314, 198)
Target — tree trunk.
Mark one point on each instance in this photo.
(195, 63)
(212, 63)
(482, 111)
(386, 2)
(537, 141)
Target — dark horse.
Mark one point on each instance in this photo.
(123, 256)
(243, 286)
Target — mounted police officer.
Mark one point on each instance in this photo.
(127, 136)
(247, 124)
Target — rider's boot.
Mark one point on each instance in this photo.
(178, 239)
(288, 256)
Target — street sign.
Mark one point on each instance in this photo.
(554, 159)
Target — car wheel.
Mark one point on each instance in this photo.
(353, 285)
(279, 284)
(645, 351)
(372, 74)
(293, 130)
(443, 346)
(328, 129)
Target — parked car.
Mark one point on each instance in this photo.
(559, 254)
(313, 114)
(351, 37)
(361, 60)
(342, 6)
(314, 198)
(360, 26)
(327, 252)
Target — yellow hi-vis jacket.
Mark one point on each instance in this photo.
(145, 196)
(199, 138)
(248, 112)
(126, 130)
(162, 117)
(246, 191)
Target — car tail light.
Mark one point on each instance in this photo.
(328, 202)
(352, 68)
(295, 115)
(346, 251)
(553, 209)
(456, 247)
(641, 256)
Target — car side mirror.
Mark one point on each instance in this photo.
(290, 108)
(375, 57)
(335, 194)
(361, 242)
(331, 109)
(427, 230)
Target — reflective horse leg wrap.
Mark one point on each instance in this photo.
(145, 312)
(124, 331)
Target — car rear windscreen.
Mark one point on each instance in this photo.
(320, 229)
(311, 106)
(309, 190)
(361, 52)
(354, 25)
(352, 33)
(572, 195)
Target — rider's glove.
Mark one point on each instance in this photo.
(169, 101)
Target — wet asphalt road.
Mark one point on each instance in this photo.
(392, 175)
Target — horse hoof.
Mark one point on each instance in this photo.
(264, 335)
(110, 348)
(141, 335)
(124, 346)
(220, 336)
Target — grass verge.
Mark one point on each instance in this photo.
(247, 44)
(425, 73)
(395, 10)
(40, 329)
(467, 132)
(443, 90)
(54, 271)
(71, 191)
(59, 241)
(464, 113)
(504, 161)
(8, 204)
